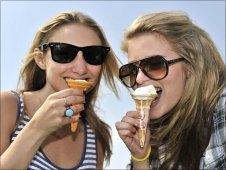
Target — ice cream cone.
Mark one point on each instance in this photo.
(82, 84)
(143, 98)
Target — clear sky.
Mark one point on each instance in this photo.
(21, 19)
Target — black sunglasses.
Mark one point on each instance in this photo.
(65, 53)
(154, 67)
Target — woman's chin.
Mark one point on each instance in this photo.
(154, 116)
(155, 113)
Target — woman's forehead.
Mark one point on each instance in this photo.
(72, 33)
(149, 44)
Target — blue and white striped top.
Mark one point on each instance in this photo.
(41, 161)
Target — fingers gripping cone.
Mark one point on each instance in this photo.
(82, 84)
(143, 98)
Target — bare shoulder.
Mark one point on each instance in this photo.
(8, 105)
(8, 117)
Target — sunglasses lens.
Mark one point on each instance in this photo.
(128, 74)
(95, 55)
(154, 67)
(63, 53)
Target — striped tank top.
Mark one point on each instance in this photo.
(40, 160)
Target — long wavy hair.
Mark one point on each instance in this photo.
(32, 78)
(185, 131)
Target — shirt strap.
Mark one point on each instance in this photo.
(20, 104)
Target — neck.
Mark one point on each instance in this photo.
(45, 92)
(65, 132)
(34, 99)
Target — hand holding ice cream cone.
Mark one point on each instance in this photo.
(143, 98)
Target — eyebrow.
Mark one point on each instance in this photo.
(134, 61)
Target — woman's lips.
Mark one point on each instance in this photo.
(155, 102)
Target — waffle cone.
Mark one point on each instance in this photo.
(143, 106)
(143, 103)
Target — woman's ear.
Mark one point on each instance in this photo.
(39, 59)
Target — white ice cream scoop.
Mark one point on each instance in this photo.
(144, 93)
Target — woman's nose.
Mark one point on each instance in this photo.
(141, 77)
(79, 64)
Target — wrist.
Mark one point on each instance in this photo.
(33, 125)
(142, 159)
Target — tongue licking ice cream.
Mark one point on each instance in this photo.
(82, 84)
(143, 98)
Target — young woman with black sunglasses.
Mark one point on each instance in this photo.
(187, 120)
(35, 129)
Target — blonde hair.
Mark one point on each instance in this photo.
(185, 131)
(33, 78)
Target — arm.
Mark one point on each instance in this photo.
(127, 129)
(20, 152)
(141, 165)
(36, 130)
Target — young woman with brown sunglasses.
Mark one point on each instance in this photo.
(187, 120)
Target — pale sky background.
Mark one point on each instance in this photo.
(21, 19)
